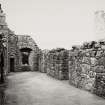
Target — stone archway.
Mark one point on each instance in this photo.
(28, 51)
(25, 53)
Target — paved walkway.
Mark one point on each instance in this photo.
(34, 88)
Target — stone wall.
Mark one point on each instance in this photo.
(87, 67)
(83, 65)
(81, 69)
(56, 63)
(43, 60)
(25, 41)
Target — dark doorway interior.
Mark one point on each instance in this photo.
(11, 64)
(25, 56)
(2, 76)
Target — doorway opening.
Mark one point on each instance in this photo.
(25, 55)
(2, 76)
(12, 65)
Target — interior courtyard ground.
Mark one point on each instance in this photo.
(35, 88)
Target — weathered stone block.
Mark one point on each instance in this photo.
(85, 68)
(86, 60)
(101, 61)
(93, 61)
(99, 69)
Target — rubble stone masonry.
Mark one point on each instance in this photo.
(87, 67)
(55, 63)
(84, 66)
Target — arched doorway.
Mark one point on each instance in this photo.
(25, 53)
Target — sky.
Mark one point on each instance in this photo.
(53, 23)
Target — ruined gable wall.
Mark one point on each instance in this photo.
(25, 41)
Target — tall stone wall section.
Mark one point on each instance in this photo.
(87, 67)
(81, 69)
(43, 55)
(55, 63)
